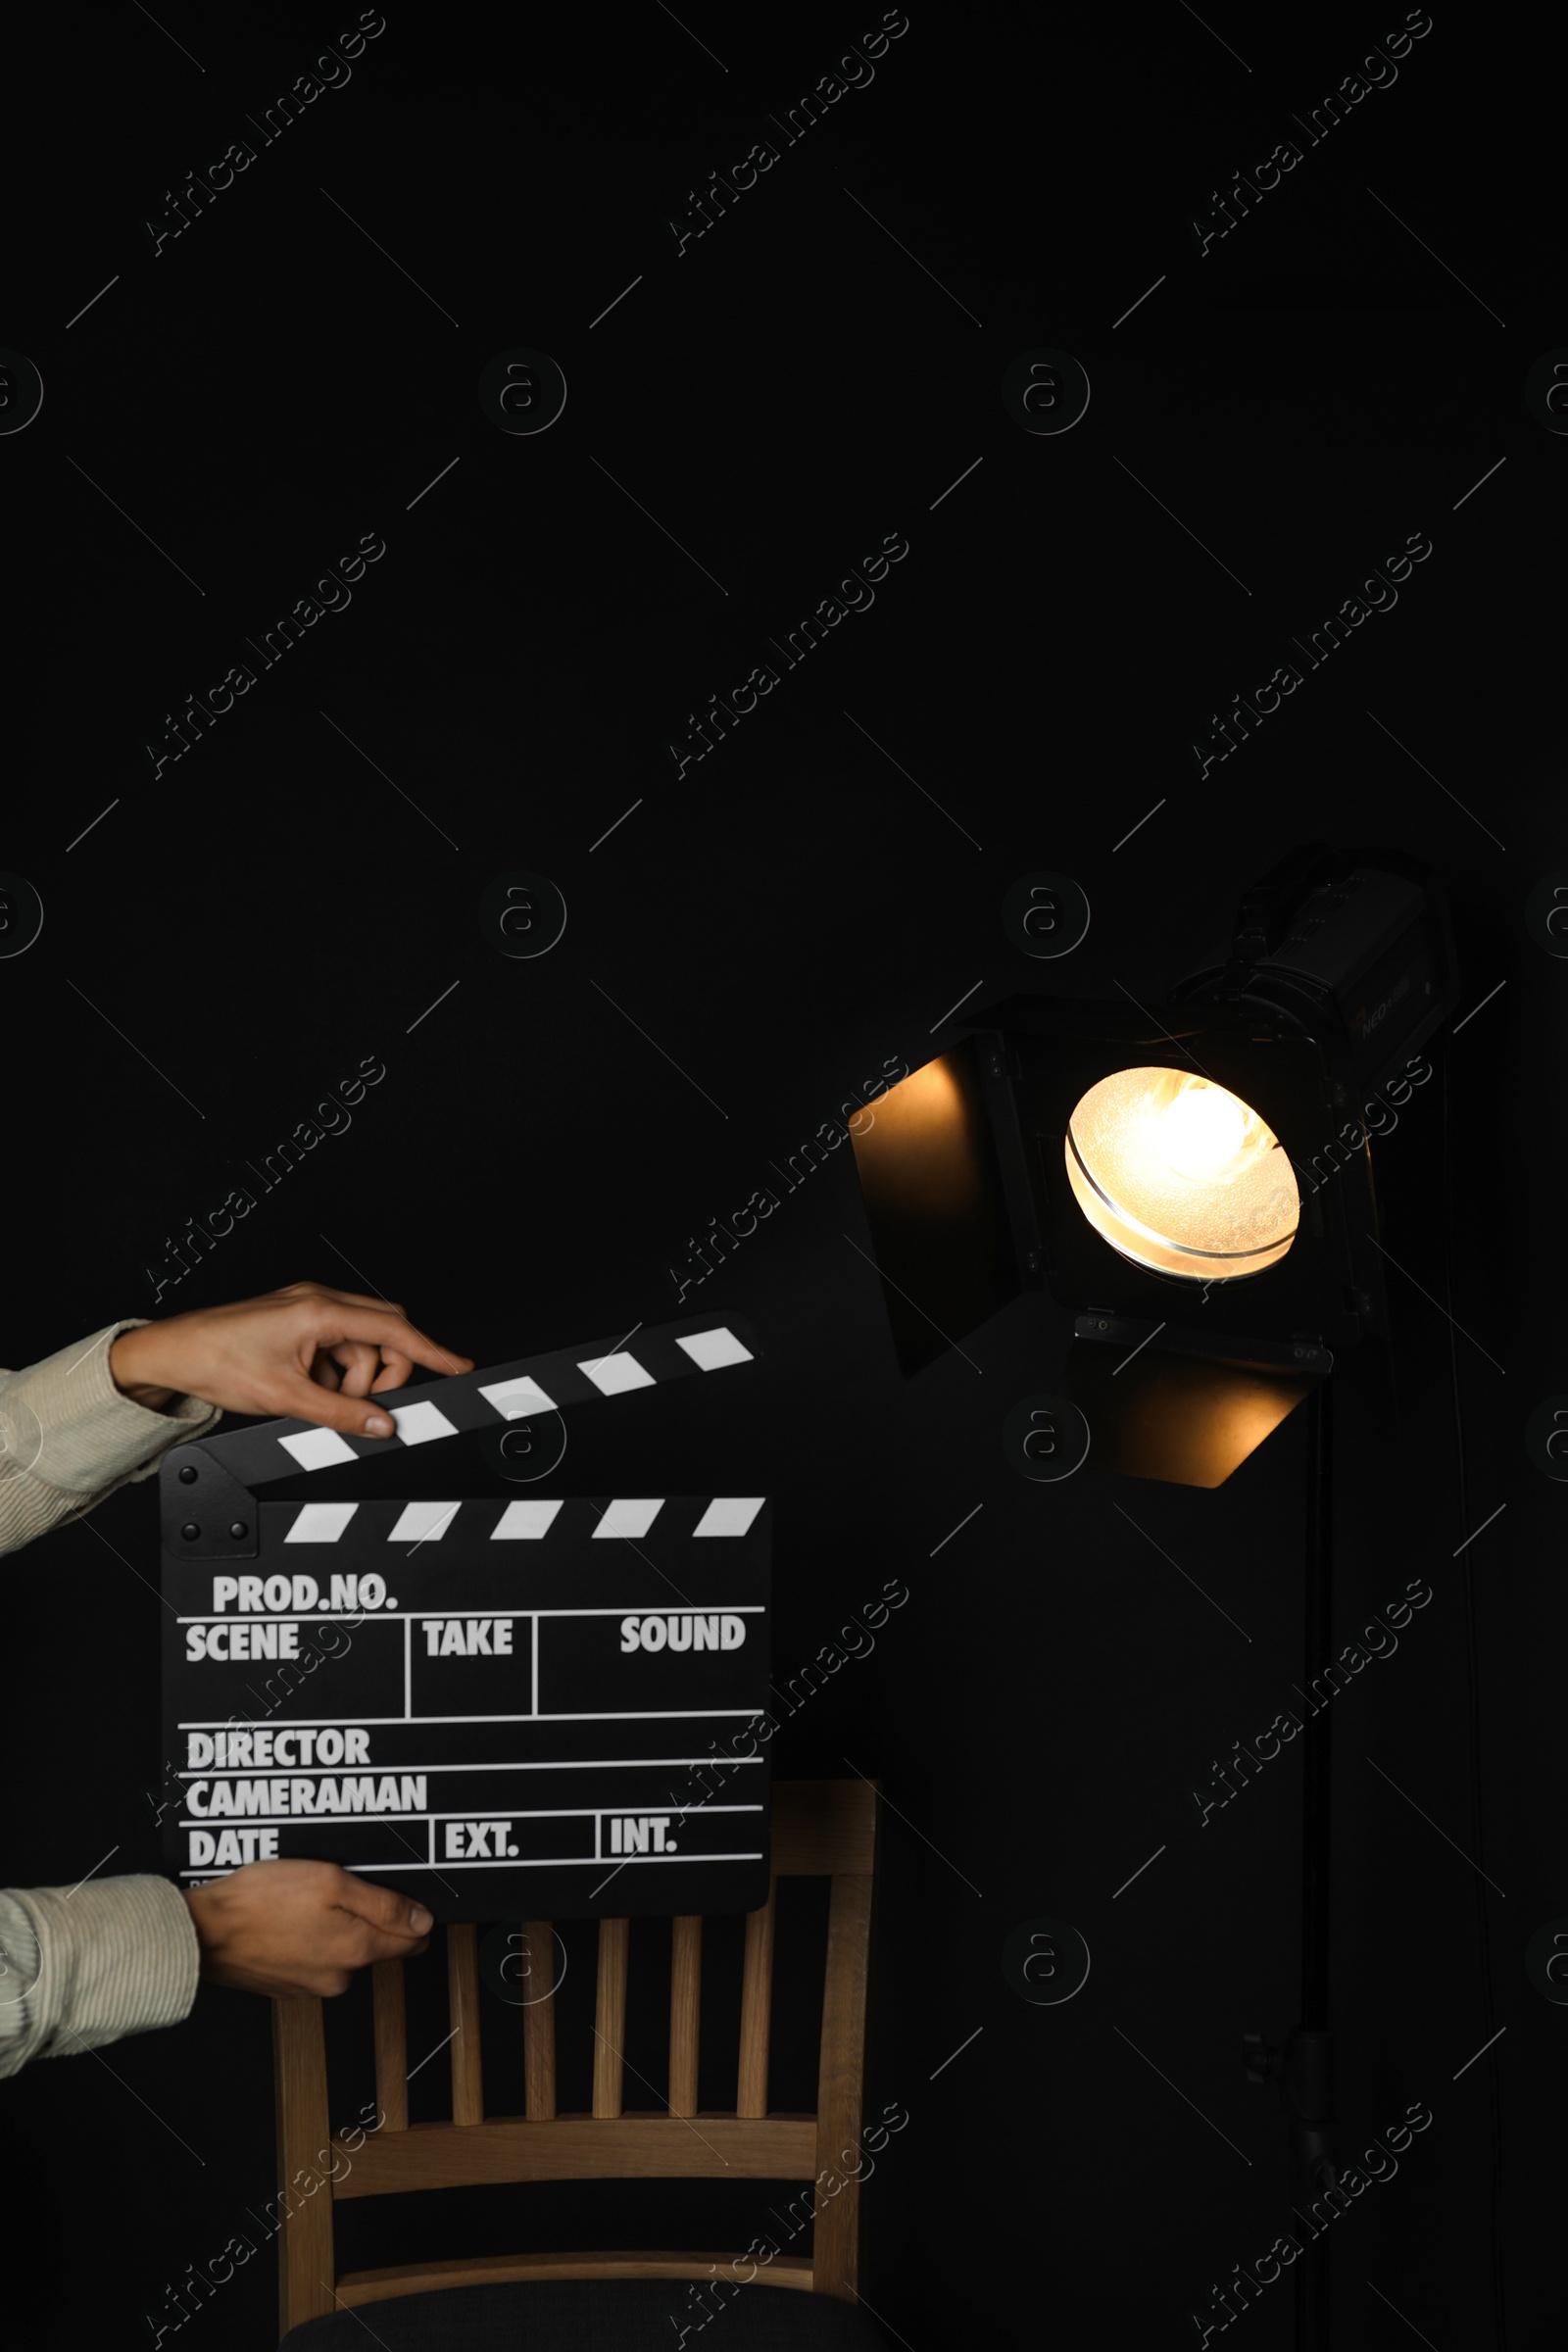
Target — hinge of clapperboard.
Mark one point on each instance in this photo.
(207, 1488)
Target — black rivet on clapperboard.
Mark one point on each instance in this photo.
(190, 1531)
(187, 1475)
(238, 1530)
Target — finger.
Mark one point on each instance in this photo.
(325, 1323)
(381, 1906)
(393, 1334)
(359, 1364)
(325, 1371)
(295, 1398)
(360, 1943)
(396, 1372)
(397, 1948)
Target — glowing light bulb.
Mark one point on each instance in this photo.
(1180, 1175)
(1200, 1130)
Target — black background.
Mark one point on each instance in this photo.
(752, 941)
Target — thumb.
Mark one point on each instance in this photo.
(385, 1908)
(307, 1401)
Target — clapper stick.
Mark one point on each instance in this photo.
(554, 1382)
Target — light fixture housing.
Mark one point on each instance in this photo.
(1139, 1160)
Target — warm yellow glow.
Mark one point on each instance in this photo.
(1180, 1175)
(929, 1093)
(918, 1140)
(1202, 1129)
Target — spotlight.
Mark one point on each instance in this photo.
(1196, 1172)
(1193, 1166)
(1182, 1176)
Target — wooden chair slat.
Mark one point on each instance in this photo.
(839, 2082)
(489, 2270)
(539, 2022)
(685, 2012)
(648, 2146)
(299, 2087)
(391, 2045)
(757, 2006)
(609, 2024)
(462, 2003)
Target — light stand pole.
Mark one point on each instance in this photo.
(1302, 2067)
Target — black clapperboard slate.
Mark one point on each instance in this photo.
(536, 1762)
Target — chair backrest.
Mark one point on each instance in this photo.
(821, 1828)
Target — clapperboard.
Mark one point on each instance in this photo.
(501, 1708)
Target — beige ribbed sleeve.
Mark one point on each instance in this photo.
(91, 1964)
(67, 1436)
(87, 1963)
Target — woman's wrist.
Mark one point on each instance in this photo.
(130, 1372)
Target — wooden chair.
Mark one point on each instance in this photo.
(819, 1829)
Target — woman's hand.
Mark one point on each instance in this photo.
(291, 1928)
(305, 1352)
